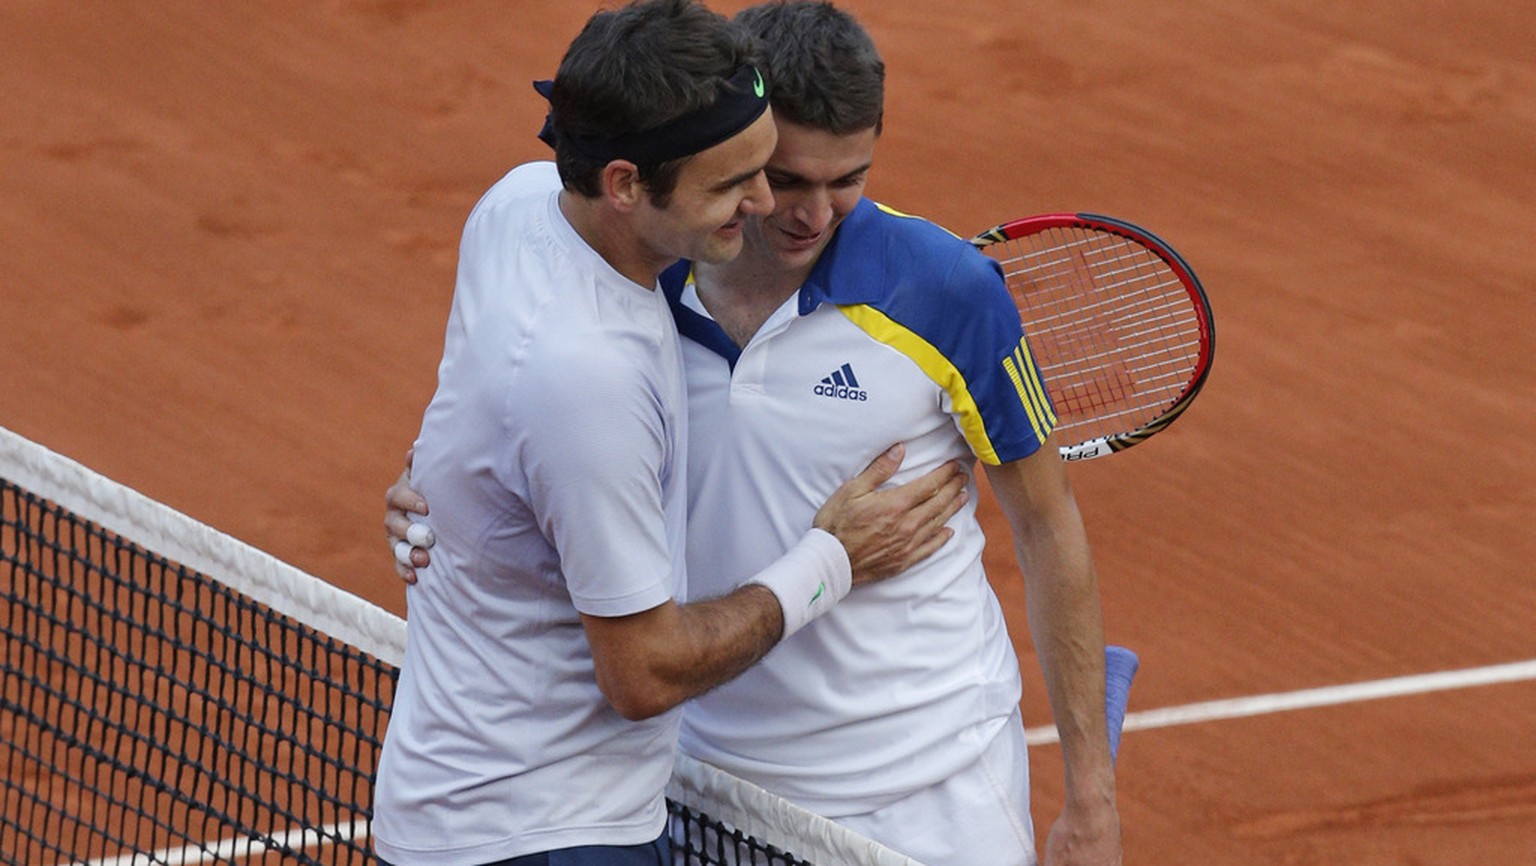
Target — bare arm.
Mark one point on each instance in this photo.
(649, 662)
(1066, 624)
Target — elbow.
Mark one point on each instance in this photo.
(637, 700)
(636, 663)
(639, 711)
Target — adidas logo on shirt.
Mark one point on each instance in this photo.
(841, 385)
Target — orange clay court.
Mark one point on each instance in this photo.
(228, 235)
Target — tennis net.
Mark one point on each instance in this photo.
(172, 695)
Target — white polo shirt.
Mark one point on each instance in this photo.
(903, 333)
(553, 454)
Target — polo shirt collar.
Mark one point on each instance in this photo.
(695, 326)
(852, 268)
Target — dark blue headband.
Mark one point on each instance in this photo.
(742, 101)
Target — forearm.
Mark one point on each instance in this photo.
(1067, 627)
(1065, 619)
(651, 662)
(648, 663)
(718, 639)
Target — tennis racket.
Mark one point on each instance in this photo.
(1116, 320)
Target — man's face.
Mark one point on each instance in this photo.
(817, 179)
(716, 191)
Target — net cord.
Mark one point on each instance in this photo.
(757, 812)
(169, 533)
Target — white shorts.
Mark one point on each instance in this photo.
(979, 815)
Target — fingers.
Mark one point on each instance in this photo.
(886, 530)
(408, 540)
(397, 525)
(401, 496)
(877, 472)
(924, 526)
(401, 530)
(406, 573)
(420, 535)
(926, 506)
(403, 553)
(931, 545)
(409, 557)
(936, 484)
(944, 502)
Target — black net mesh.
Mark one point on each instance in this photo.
(151, 714)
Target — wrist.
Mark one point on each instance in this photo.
(808, 580)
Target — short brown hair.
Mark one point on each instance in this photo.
(826, 72)
(634, 69)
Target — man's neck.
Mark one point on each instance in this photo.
(741, 294)
(610, 236)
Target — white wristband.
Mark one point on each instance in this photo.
(809, 580)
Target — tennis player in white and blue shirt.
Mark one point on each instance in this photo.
(912, 687)
(843, 323)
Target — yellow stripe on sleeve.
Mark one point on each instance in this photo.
(938, 368)
(1012, 367)
(1022, 373)
(1037, 395)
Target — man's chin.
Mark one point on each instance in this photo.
(721, 248)
(798, 254)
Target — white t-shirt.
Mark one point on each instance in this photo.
(902, 333)
(553, 456)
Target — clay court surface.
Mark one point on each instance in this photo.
(228, 234)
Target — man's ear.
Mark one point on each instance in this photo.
(622, 186)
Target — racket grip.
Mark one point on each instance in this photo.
(1120, 666)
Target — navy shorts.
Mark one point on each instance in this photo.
(657, 853)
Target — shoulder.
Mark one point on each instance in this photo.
(514, 243)
(948, 263)
(514, 198)
(525, 181)
(925, 272)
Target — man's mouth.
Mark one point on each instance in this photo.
(801, 241)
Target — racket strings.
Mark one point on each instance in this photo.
(1109, 322)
